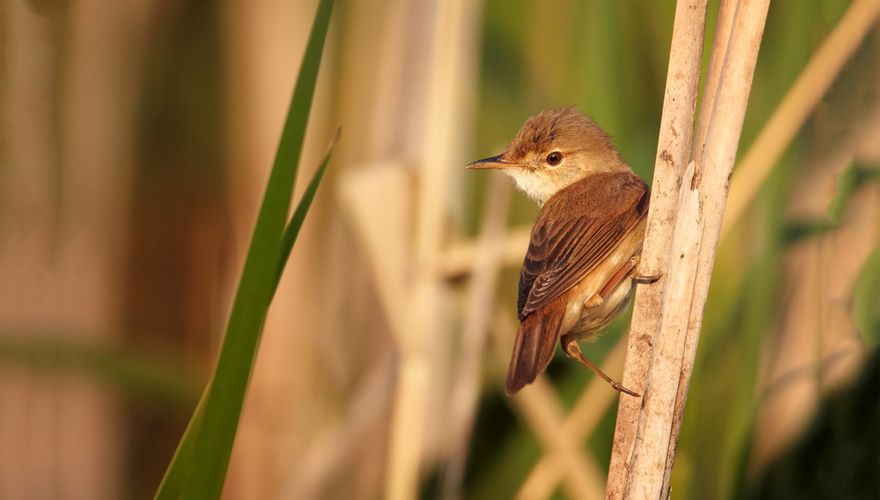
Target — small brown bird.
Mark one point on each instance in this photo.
(585, 245)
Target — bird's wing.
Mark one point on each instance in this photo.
(565, 248)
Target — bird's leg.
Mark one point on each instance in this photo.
(619, 276)
(573, 350)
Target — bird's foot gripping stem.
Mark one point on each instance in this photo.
(646, 279)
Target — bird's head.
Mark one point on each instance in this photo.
(553, 150)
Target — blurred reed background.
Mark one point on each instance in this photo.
(136, 140)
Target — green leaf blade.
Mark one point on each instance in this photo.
(198, 469)
(299, 215)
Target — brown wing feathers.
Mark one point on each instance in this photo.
(593, 242)
(563, 249)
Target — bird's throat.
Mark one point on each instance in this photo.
(535, 185)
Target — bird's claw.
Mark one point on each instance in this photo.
(646, 279)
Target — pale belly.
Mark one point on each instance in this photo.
(594, 319)
(582, 318)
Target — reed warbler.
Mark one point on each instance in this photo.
(579, 271)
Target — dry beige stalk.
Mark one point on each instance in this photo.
(377, 204)
(689, 276)
(459, 257)
(673, 153)
(449, 77)
(653, 437)
(723, 27)
(644, 451)
(477, 322)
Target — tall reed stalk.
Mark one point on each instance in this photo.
(688, 215)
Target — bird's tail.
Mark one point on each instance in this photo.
(535, 343)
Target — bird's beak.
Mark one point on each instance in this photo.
(495, 162)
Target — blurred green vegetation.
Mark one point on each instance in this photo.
(157, 379)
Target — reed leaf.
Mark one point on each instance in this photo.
(198, 469)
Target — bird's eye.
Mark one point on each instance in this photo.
(554, 158)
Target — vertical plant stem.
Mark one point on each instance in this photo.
(716, 165)
(653, 433)
(451, 68)
(466, 380)
(698, 224)
(723, 28)
(673, 152)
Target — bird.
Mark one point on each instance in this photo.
(581, 264)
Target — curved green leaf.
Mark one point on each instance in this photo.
(198, 469)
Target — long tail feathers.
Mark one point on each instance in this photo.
(535, 343)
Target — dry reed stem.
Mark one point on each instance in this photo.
(329, 452)
(690, 274)
(580, 423)
(654, 433)
(723, 27)
(367, 63)
(454, 34)
(466, 382)
(673, 152)
(458, 259)
(544, 416)
(381, 229)
(797, 105)
(724, 23)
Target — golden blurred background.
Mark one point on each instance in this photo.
(135, 144)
